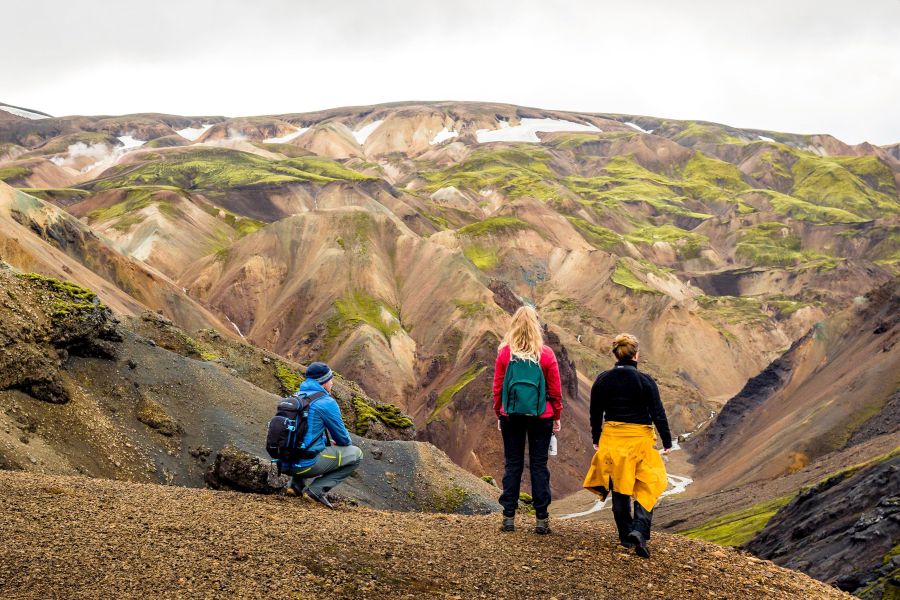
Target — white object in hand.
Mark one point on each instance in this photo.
(552, 451)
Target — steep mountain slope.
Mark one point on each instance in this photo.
(836, 387)
(169, 541)
(82, 393)
(392, 239)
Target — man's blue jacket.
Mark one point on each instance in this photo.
(324, 413)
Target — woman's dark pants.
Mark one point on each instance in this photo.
(625, 521)
(516, 430)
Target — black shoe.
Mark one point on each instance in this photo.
(640, 544)
(320, 498)
(626, 544)
(296, 489)
(509, 524)
(542, 526)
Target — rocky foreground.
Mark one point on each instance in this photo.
(90, 538)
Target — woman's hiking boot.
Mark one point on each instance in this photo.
(542, 526)
(296, 487)
(640, 544)
(509, 523)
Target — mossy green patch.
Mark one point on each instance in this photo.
(624, 276)
(470, 309)
(223, 168)
(711, 179)
(135, 199)
(775, 244)
(686, 244)
(732, 310)
(450, 499)
(802, 210)
(494, 226)
(367, 413)
(599, 237)
(706, 132)
(359, 308)
(9, 174)
(446, 396)
(828, 182)
(514, 172)
(57, 194)
(482, 257)
(738, 527)
(289, 379)
(69, 299)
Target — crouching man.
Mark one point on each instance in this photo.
(332, 464)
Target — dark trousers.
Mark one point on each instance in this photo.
(626, 522)
(516, 430)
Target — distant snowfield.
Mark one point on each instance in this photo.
(363, 133)
(22, 113)
(442, 136)
(284, 139)
(765, 139)
(193, 133)
(528, 129)
(638, 127)
(128, 142)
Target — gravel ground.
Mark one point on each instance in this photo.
(74, 537)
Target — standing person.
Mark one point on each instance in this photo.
(625, 405)
(333, 464)
(528, 403)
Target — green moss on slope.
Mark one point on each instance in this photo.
(222, 168)
(390, 415)
(514, 172)
(482, 257)
(775, 244)
(14, 173)
(289, 379)
(687, 244)
(624, 276)
(446, 396)
(360, 308)
(802, 210)
(737, 528)
(599, 237)
(828, 182)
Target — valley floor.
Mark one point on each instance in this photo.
(76, 537)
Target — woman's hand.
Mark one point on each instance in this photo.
(498, 425)
(666, 451)
(596, 447)
(556, 426)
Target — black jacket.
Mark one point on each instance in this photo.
(627, 395)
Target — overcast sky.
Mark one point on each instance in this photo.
(804, 66)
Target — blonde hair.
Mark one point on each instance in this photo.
(525, 337)
(625, 346)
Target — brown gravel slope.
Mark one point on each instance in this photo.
(70, 537)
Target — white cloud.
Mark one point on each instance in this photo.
(806, 66)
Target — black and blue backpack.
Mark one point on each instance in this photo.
(284, 441)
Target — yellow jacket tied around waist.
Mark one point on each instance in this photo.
(626, 454)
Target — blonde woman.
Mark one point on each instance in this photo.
(528, 403)
(625, 406)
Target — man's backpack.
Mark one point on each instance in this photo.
(284, 441)
(524, 388)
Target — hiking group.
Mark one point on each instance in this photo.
(527, 400)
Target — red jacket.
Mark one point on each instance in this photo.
(551, 375)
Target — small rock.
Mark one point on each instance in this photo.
(131, 364)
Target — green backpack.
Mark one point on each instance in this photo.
(524, 388)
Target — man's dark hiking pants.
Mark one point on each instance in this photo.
(625, 521)
(516, 431)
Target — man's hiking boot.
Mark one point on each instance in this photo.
(640, 544)
(542, 526)
(509, 524)
(626, 544)
(295, 488)
(321, 498)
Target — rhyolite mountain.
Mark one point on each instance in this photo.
(393, 240)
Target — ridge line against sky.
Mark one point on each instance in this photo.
(799, 67)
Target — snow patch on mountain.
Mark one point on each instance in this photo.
(363, 133)
(129, 142)
(638, 127)
(20, 112)
(285, 139)
(193, 133)
(442, 136)
(765, 139)
(528, 129)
